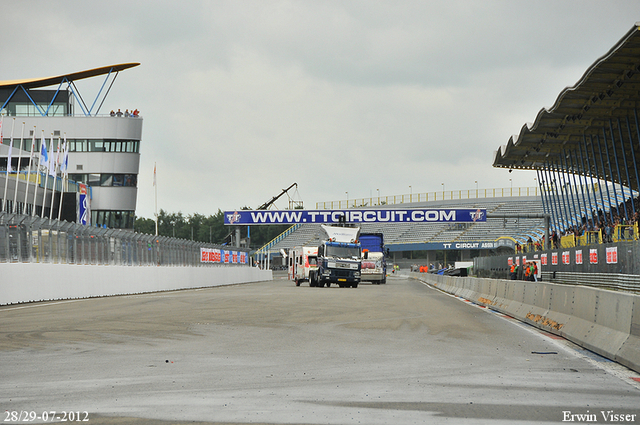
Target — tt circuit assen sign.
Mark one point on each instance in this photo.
(248, 217)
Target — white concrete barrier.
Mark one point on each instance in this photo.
(603, 321)
(26, 282)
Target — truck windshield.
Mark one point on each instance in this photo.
(342, 251)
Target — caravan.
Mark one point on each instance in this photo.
(301, 261)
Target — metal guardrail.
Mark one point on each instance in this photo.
(265, 249)
(614, 266)
(612, 281)
(30, 239)
(442, 195)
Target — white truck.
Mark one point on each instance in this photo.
(374, 267)
(302, 260)
(374, 258)
(339, 258)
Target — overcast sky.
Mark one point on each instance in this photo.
(240, 99)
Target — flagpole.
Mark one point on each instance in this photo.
(156, 197)
(55, 180)
(26, 192)
(46, 180)
(15, 192)
(2, 122)
(43, 145)
(63, 174)
(6, 179)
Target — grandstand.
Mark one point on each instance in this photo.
(517, 228)
(421, 236)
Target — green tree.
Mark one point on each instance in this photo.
(206, 229)
(146, 226)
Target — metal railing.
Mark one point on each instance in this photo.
(29, 239)
(619, 233)
(374, 201)
(265, 249)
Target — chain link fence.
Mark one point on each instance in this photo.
(30, 239)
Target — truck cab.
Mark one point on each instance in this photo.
(374, 258)
(339, 258)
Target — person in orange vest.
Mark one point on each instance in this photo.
(514, 271)
(527, 271)
(530, 269)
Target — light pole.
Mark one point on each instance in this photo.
(476, 188)
(511, 183)
(378, 196)
(442, 191)
(410, 193)
(347, 193)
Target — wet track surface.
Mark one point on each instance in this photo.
(273, 353)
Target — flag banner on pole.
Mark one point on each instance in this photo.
(56, 163)
(83, 204)
(64, 164)
(9, 156)
(52, 160)
(33, 148)
(413, 215)
(44, 157)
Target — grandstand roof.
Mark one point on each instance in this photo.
(49, 81)
(603, 101)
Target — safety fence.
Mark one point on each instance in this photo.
(28, 239)
(430, 197)
(609, 265)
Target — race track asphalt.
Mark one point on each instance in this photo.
(274, 353)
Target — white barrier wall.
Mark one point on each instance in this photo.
(26, 282)
(603, 321)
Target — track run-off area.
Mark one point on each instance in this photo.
(273, 353)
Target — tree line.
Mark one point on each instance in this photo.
(211, 229)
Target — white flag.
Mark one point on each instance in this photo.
(56, 164)
(52, 160)
(64, 162)
(44, 157)
(9, 157)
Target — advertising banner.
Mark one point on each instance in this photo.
(249, 217)
(612, 255)
(83, 205)
(593, 256)
(212, 255)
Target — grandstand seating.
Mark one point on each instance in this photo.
(518, 229)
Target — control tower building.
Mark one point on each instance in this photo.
(103, 148)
